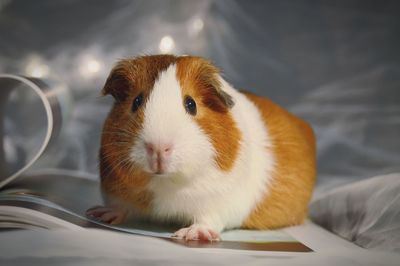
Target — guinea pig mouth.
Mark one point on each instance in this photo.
(160, 172)
(161, 175)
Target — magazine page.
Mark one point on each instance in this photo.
(31, 114)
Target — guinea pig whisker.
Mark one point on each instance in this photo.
(117, 153)
(126, 164)
(120, 164)
(108, 154)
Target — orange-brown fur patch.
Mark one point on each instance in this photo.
(198, 79)
(293, 180)
(126, 185)
(120, 179)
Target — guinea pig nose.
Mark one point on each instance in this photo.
(161, 149)
(149, 148)
(166, 149)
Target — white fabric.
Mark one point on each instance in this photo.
(365, 212)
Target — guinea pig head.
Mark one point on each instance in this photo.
(171, 116)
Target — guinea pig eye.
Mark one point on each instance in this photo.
(190, 105)
(137, 102)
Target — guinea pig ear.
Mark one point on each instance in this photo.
(214, 96)
(117, 86)
(225, 98)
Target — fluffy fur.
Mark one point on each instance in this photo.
(241, 161)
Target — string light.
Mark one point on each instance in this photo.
(196, 26)
(36, 67)
(167, 44)
(93, 66)
(89, 66)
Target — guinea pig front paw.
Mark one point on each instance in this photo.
(197, 232)
(110, 215)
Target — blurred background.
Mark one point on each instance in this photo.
(334, 63)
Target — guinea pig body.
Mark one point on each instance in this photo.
(180, 144)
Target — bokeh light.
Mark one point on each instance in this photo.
(93, 66)
(36, 67)
(167, 44)
(90, 66)
(195, 26)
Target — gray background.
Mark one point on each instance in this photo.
(334, 63)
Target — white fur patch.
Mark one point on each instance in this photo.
(196, 190)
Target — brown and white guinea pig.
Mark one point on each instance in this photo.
(181, 144)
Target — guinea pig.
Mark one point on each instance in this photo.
(182, 145)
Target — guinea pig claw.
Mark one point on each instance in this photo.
(107, 214)
(197, 232)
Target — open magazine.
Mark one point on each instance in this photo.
(59, 200)
(52, 199)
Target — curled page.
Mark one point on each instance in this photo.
(31, 115)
